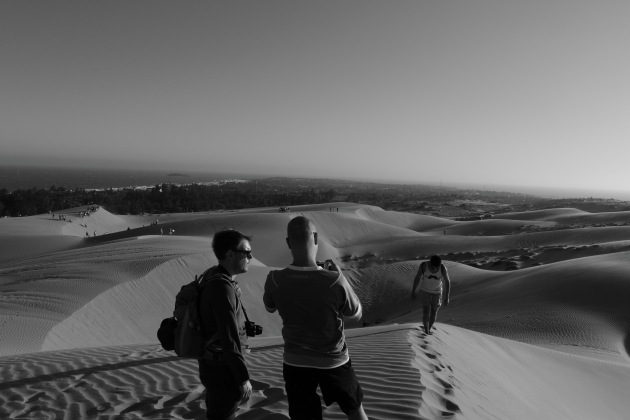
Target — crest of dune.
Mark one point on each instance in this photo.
(78, 316)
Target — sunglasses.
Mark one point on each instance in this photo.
(248, 254)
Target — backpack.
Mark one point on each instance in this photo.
(183, 331)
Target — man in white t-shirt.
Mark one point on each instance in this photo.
(435, 288)
(313, 303)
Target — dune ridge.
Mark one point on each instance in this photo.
(546, 334)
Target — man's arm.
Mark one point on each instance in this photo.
(224, 302)
(416, 281)
(270, 285)
(447, 286)
(351, 307)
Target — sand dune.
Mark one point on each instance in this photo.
(569, 216)
(78, 315)
(545, 214)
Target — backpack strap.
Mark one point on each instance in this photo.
(200, 283)
(201, 278)
(239, 300)
(203, 281)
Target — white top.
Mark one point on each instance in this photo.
(431, 282)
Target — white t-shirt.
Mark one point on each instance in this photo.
(431, 282)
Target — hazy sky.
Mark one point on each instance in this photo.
(532, 92)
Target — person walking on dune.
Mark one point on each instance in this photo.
(223, 371)
(435, 288)
(312, 303)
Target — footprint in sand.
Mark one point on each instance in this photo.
(438, 399)
(448, 388)
(438, 404)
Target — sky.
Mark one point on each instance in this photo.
(529, 93)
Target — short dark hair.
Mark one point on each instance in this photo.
(226, 240)
(436, 261)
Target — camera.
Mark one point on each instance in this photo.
(251, 329)
(326, 265)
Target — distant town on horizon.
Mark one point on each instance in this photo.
(20, 177)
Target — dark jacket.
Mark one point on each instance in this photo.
(222, 316)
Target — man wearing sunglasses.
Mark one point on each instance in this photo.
(435, 288)
(223, 370)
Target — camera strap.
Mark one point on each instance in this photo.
(244, 311)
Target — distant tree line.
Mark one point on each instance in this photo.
(282, 192)
(164, 198)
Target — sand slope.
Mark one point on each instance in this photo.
(78, 316)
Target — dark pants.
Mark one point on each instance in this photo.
(222, 392)
(338, 385)
(431, 303)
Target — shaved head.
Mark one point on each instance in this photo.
(302, 241)
(300, 229)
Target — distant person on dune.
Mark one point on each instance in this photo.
(432, 277)
(313, 302)
(223, 371)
